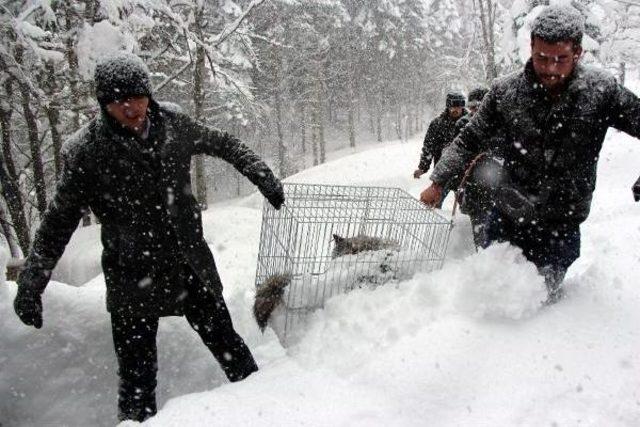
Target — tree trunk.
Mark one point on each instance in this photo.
(379, 123)
(351, 113)
(7, 230)
(72, 60)
(487, 21)
(13, 198)
(5, 123)
(199, 74)
(8, 179)
(34, 148)
(314, 134)
(282, 149)
(303, 127)
(321, 141)
(372, 122)
(53, 115)
(319, 118)
(34, 142)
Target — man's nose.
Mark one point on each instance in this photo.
(552, 65)
(132, 112)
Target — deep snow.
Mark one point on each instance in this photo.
(465, 346)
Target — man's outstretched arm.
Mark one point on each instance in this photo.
(58, 224)
(211, 141)
(625, 110)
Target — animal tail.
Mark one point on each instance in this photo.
(268, 296)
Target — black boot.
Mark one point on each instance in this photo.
(135, 404)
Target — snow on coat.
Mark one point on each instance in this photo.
(442, 130)
(141, 193)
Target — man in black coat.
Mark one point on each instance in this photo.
(441, 132)
(131, 167)
(552, 118)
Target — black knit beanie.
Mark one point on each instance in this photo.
(455, 99)
(117, 77)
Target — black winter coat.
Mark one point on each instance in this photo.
(140, 190)
(550, 146)
(442, 130)
(462, 122)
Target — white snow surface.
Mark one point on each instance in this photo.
(468, 345)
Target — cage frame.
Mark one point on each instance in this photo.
(310, 206)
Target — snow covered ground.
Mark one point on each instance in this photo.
(465, 346)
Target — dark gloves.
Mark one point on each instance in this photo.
(636, 190)
(28, 307)
(275, 194)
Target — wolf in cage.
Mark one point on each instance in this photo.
(329, 240)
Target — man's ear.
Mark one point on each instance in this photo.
(577, 53)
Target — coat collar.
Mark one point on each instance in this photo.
(124, 142)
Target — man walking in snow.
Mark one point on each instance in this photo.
(131, 167)
(442, 130)
(552, 118)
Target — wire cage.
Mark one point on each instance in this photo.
(329, 239)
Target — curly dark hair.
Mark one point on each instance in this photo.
(559, 24)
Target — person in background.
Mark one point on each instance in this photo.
(441, 132)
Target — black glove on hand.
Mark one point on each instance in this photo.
(28, 307)
(277, 199)
(636, 190)
(275, 195)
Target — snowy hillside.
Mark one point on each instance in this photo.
(465, 346)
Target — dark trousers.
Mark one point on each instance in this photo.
(551, 247)
(134, 339)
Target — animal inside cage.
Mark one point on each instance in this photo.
(330, 239)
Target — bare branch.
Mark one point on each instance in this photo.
(172, 77)
(272, 42)
(234, 25)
